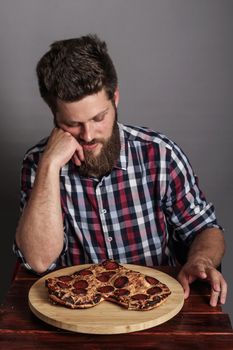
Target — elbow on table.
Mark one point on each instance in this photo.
(40, 267)
(38, 262)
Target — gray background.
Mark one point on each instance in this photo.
(175, 64)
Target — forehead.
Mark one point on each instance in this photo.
(84, 109)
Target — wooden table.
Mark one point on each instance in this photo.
(196, 326)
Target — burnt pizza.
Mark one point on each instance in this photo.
(107, 281)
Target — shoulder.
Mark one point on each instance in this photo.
(34, 152)
(144, 139)
(144, 136)
(38, 147)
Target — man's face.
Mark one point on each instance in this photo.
(92, 121)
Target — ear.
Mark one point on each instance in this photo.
(116, 96)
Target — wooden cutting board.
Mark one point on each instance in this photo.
(107, 317)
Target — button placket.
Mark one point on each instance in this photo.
(103, 213)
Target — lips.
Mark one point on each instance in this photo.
(90, 146)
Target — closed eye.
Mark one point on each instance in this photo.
(73, 124)
(100, 117)
(76, 124)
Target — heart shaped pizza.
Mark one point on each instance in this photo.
(107, 281)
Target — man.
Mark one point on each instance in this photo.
(98, 189)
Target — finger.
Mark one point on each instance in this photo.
(196, 270)
(201, 271)
(185, 284)
(222, 289)
(223, 294)
(80, 153)
(219, 287)
(186, 291)
(214, 297)
(214, 280)
(76, 159)
(202, 274)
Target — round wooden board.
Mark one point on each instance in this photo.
(107, 317)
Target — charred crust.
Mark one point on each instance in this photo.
(107, 281)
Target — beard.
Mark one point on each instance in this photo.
(103, 163)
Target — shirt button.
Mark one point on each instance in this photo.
(110, 239)
(103, 211)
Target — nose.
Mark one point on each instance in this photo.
(86, 132)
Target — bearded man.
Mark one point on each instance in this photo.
(96, 189)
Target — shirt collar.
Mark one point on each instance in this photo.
(122, 160)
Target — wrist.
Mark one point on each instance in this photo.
(200, 259)
(48, 165)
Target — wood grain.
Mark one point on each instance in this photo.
(135, 341)
(105, 318)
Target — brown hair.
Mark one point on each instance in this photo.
(75, 68)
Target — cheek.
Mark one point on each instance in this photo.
(106, 129)
(103, 132)
(73, 131)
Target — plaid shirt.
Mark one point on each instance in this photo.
(126, 215)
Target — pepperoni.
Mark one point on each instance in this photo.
(110, 265)
(122, 292)
(80, 291)
(82, 284)
(120, 282)
(154, 290)
(62, 285)
(65, 278)
(105, 289)
(102, 278)
(153, 281)
(139, 297)
(105, 276)
(84, 272)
